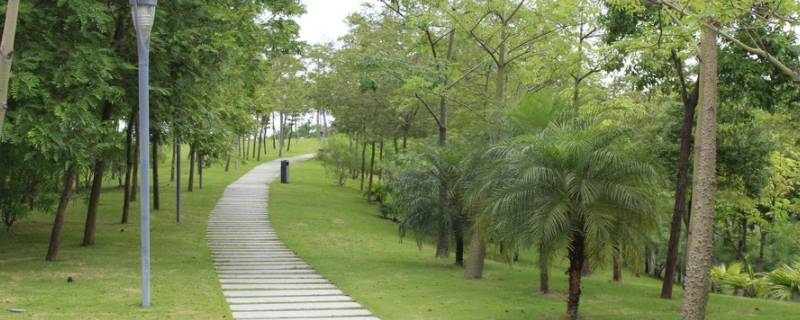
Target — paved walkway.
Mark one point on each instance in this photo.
(260, 277)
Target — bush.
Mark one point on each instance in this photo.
(785, 282)
(339, 157)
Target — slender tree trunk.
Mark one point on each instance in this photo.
(94, 199)
(126, 205)
(264, 138)
(681, 186)
(544, 269)
(325, 122)
(477, 255)
(762, 242)
(7, 56)
(200, 170)
(228, 163)
(405, 137)
(247, 147)
(363, 164)
(577, 256)
(255, 145)
(58, 224)
(260, 139)
(443, 242)
(274, 130)
(319, 129)
(172, 162)
(700, 247)
(741, 247)
(192, 151)
(96, 189)
(380, 170)
(156, 193)
(283, 127)
(616, 265)
(291, 133)
(587, 269)
(458, 233)
(500, 80)
(371, 173)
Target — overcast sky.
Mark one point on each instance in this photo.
(324, 19)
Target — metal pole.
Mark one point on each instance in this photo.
(143, 48)
(178, 184)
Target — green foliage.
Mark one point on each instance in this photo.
(340, 157)
(785, 282)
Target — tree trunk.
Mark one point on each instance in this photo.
(156, 193)
(380, 171)
(458, 233)
(443, 242)
(762, 242)
(264, 140)
(371, 173)
(682, 184)
(7, 56)
(577, 257)
(325, 122)
(319, 129)
(172, 163)
(228, 164)
(58, 224)
(363, 164)
(544, 269)
(97, 187)
(500, 81)
(126, 205)
(405, 137)
(274, 130)
(282, 134)
(255, 145)
(291, 132)
(587, 269)
(200, 170)
(700, 246)
(260, 141)
(94, 199)
(477, 254)
(192, 151)
(616, 265)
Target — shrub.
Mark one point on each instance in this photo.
(339, 157)
(785, 282)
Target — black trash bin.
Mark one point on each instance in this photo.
(284, 171)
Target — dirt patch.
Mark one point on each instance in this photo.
(338, 221)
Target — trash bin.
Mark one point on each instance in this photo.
(284, 171)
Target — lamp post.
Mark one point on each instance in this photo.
(144, 13)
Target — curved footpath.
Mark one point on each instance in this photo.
(260, 277)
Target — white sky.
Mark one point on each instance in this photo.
(324, 20)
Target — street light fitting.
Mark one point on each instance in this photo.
(144, 15)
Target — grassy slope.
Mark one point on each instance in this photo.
(339, 234)
(107, 278)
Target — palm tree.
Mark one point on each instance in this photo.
(417, 195)
(785, 282)
(570, 184)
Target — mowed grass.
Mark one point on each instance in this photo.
(338, 233)
(107, 276)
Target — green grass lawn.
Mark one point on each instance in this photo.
(339, 234)
(106, 277)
